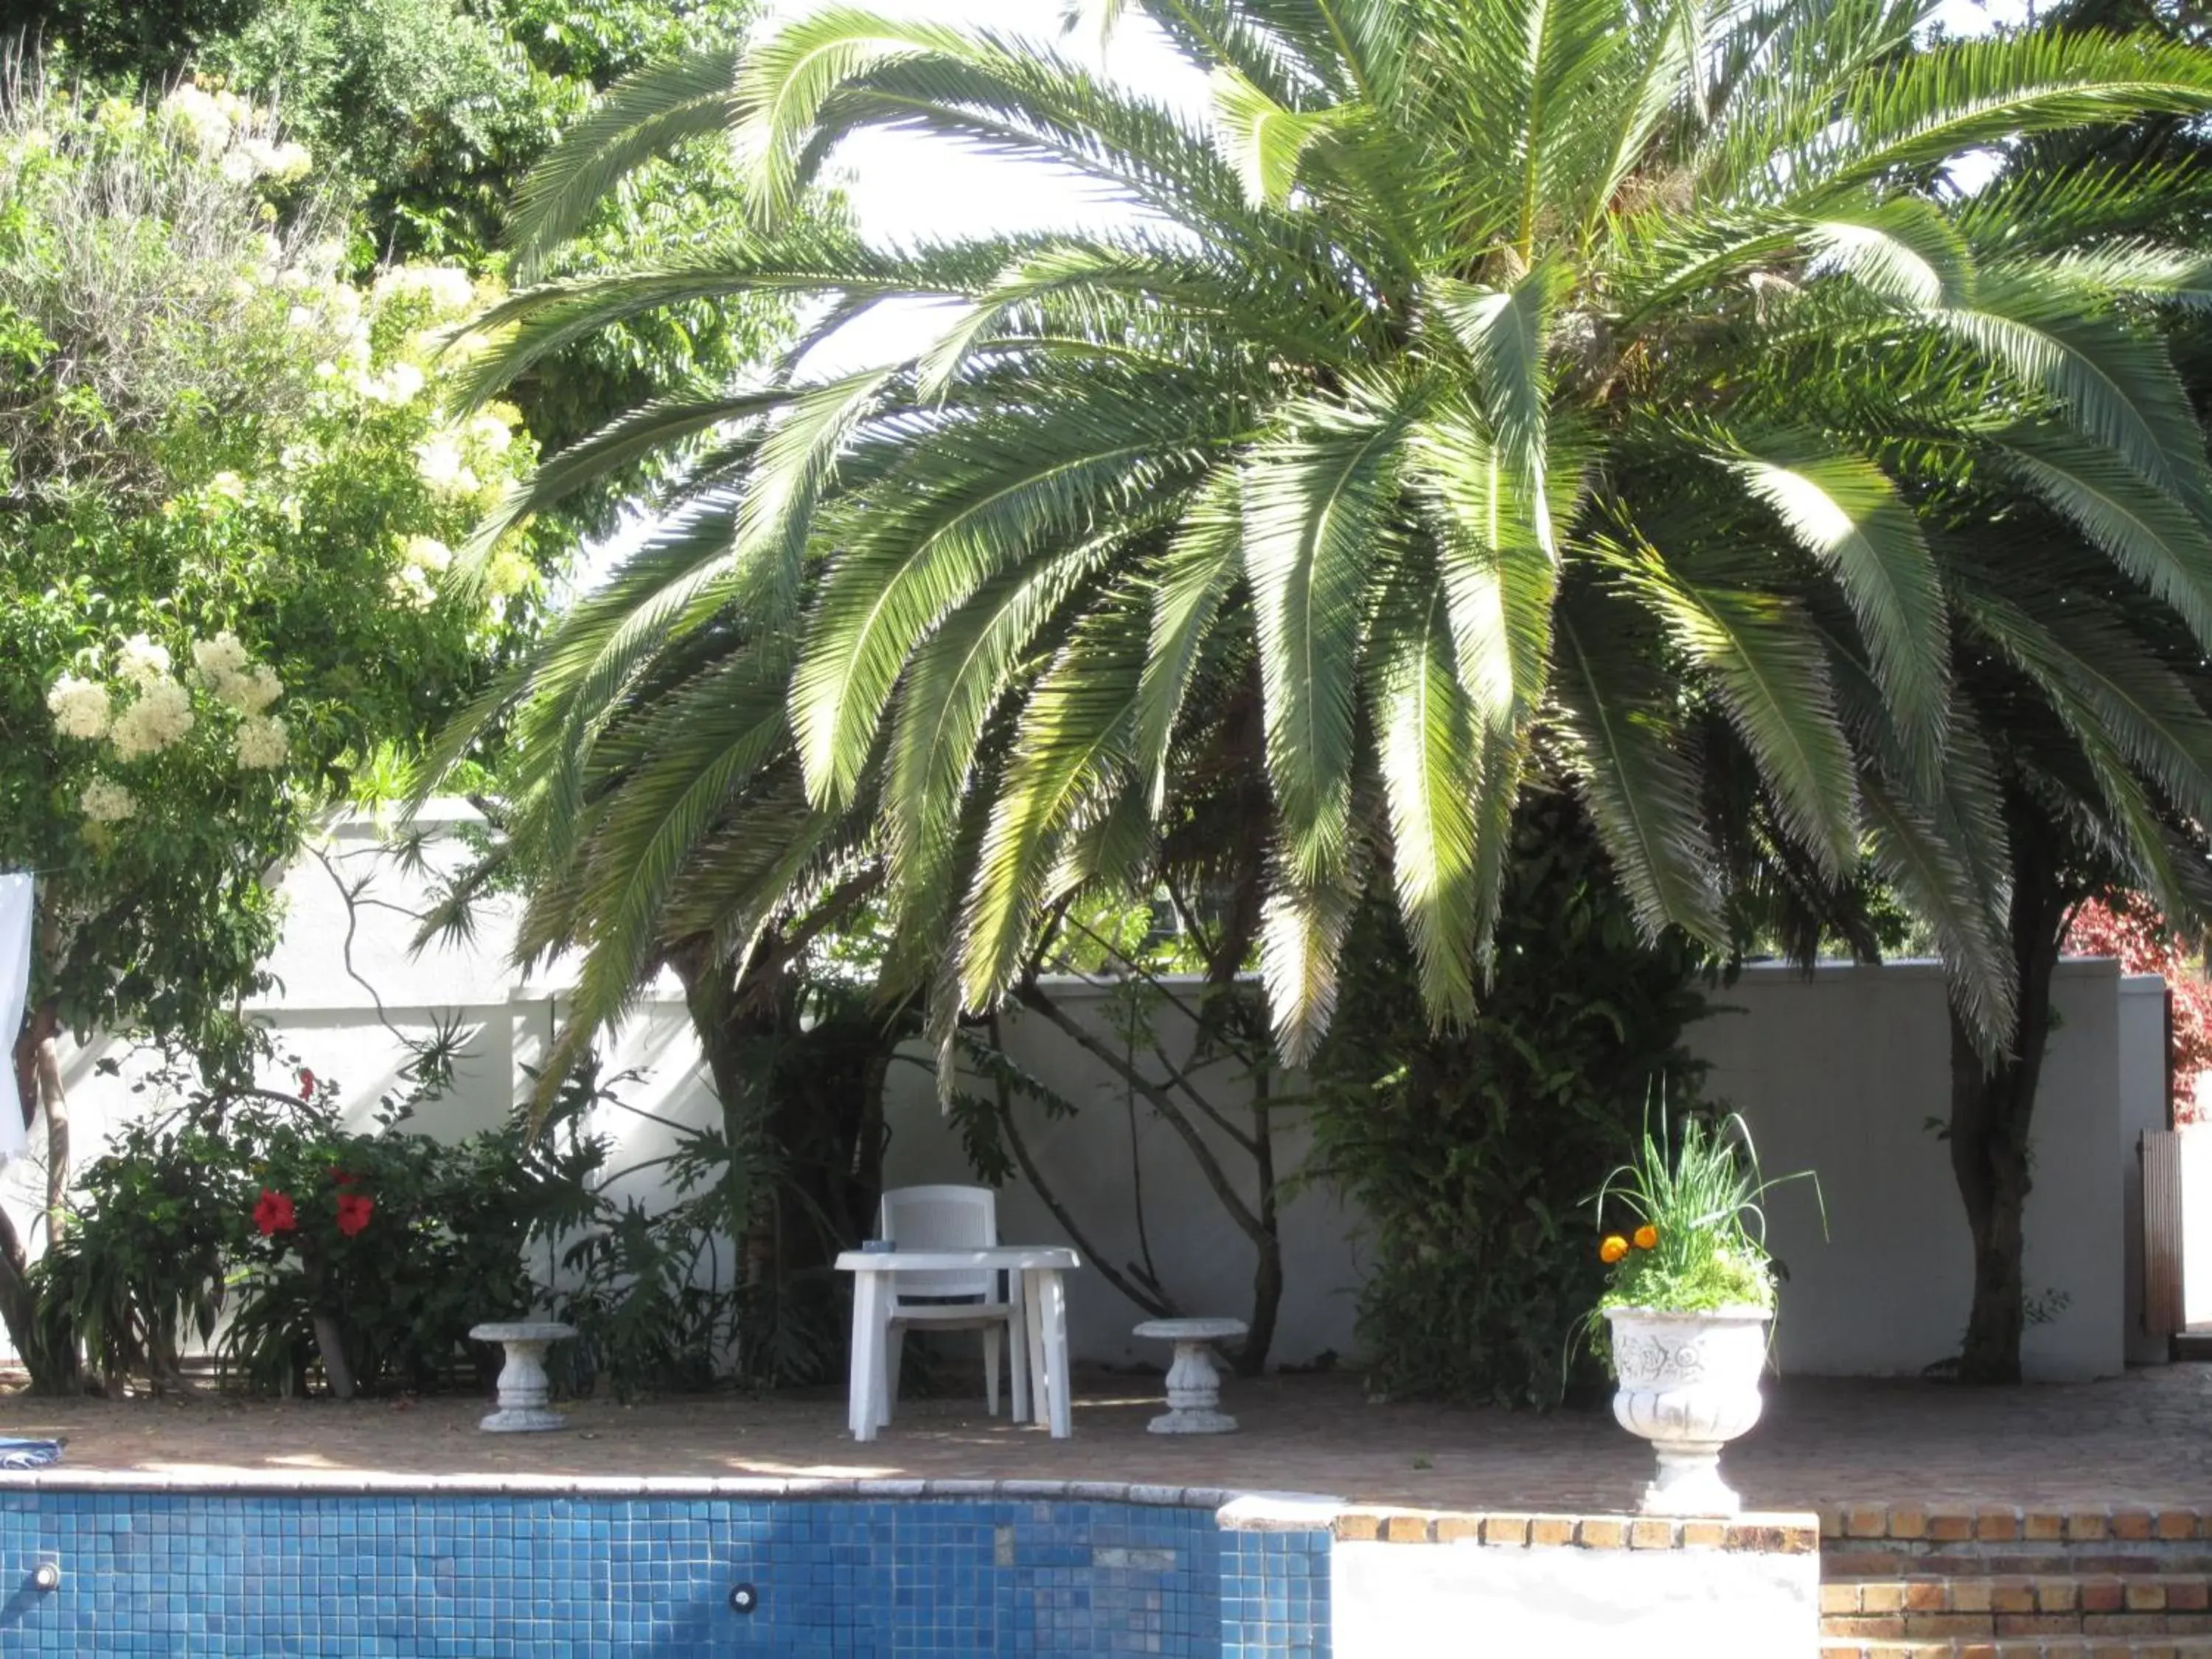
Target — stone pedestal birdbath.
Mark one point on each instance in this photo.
(1194, 1385)
(522, 1385)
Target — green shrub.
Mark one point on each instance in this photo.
(1472, 1154)
(267, 1209)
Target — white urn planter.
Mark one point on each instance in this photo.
(1688, 1383)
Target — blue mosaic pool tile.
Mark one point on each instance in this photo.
(442, 1575)
(1274, 1595)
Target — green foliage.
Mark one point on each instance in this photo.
(424, 116)
(647, 1290)
(443, 1248)
(232, 494)
(428, 114)
(152, 38)
(643, 1320)
(1695, 1238)
(1471, 1151)
(233, 1204)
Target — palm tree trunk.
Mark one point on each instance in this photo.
(1268, 1266)
(1992, 1107)
(1989, 1159)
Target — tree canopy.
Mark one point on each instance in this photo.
(1488, 390)
(424, 117)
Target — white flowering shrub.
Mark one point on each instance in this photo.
(234, 496)
(159, 715)
(106, 801)
(81, 707)
(143, 660)
(221, 664)
(262, 743)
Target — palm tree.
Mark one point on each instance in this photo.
(2072, 833)
(1587, 385)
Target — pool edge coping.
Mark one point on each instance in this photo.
(1233, 1510)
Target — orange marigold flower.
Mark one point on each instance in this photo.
(1613, 1249)
(1647, 1237)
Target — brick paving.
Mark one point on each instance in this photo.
(2142, 1439)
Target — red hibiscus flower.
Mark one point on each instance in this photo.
(273, 1214)
(341, 1177)
(353, 1210)
(306, 1084)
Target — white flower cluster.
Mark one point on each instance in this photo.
(143, 660)
(161, 711)
(211, 121)
(262, 743)
(444, 467)
(256, 158)
(451, 292)
(402, 383)
(221, 665)
(421, 559)
(203, 119)
(80, 708)
(489, 431)
(161, 715)
(106, 801)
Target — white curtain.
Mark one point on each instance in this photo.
(16, 893)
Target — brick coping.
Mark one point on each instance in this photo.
(1780, 1534)
(2004, 1523)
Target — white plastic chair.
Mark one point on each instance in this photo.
(953, 1218)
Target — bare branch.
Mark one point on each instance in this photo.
(1033, 996)
(1154, 1302)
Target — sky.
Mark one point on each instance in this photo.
(902, 185)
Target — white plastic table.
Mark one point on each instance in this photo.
(1037, 1270)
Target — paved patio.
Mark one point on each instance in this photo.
(2139, 1439)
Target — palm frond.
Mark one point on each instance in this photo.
(641, 116)
(1846, 512)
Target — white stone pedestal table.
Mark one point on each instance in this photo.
(522, 1386)
(1194, 1385)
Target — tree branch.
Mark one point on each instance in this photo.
(1032, 996)
(1177, 1076)
(1153, 1302)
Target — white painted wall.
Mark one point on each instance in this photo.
(1125, 1177)
(1838, 1072)
(1842, 1072)
(2197, 1223)
(1388, 1601)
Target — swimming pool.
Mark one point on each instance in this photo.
(666, 1568)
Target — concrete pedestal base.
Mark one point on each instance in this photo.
(523, 1389)
(1194, 1384)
